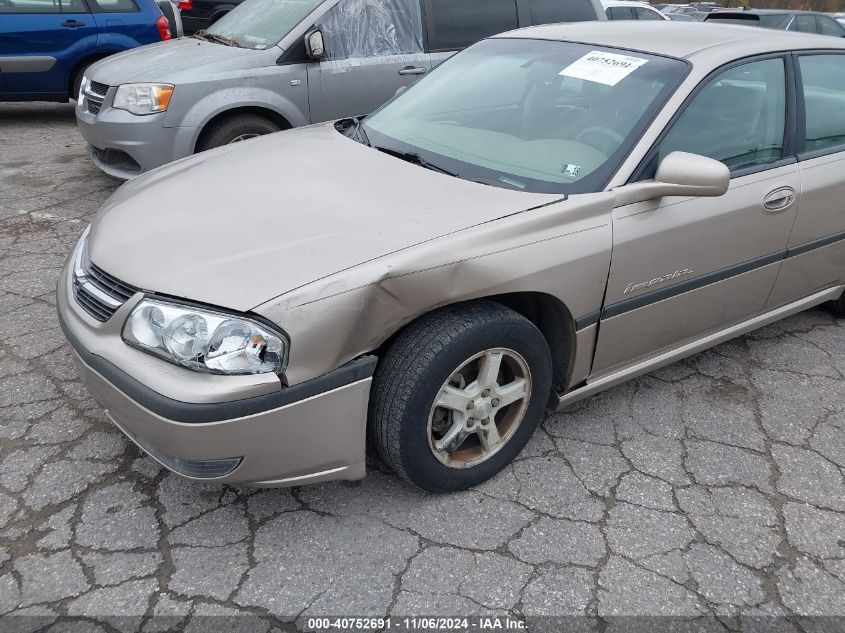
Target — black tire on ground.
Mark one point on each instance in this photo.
(229, 129)
(838, 306)
(420, 360)
(77, 82)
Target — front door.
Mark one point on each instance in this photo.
(39, 40)
(372, 49)
(684, 267)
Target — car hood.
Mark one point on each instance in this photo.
(163, 61)
(240, 225)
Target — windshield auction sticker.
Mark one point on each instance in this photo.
(603, 68)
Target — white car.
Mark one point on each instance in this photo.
(630, 10)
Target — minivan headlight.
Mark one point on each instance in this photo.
(143, 98)
(205, 340)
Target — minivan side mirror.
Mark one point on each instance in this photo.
(314, 46)
(679, 174)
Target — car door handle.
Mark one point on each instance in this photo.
(72, 24)
(412, 70)
(779, 199)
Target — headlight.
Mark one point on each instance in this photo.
(204, 340)
(143, 98)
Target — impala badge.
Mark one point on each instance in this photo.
(631, 287)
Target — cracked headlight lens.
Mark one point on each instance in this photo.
(143, 98)
(205, 340)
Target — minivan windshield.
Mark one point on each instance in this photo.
(531, 115)
(260, 23)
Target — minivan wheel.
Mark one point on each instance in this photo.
(838, 306)
(458, 395)
(235, 129)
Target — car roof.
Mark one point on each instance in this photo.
(685, 40)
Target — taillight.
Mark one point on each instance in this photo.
(163, 28)
(186, 5)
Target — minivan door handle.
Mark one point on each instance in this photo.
(72, 24)
(779, 199)
(412, 70)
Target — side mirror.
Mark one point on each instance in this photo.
(314, 46)
(679, 174)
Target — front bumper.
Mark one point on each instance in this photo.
(273, 435)
(125, 145)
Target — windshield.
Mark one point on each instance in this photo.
(532, 115)
(261, 23)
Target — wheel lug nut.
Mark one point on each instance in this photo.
(485, 393)
(470, 405)
(495, 402)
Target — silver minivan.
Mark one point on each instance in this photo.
(270, 65)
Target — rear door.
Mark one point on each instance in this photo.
(41, 41)
(686, 267)
(373, 48)
(452, 26)
(816, 252)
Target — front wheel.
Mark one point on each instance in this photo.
(458, 395)
(240, 127)
(838, 306)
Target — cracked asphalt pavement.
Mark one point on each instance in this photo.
(715, 486)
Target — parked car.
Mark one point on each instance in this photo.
(630, 10)
(276, 64)
(681, 17)
(549, 213)
(172, 10)
(46, 45)
(803, 21)
(683, 9)
(200, 14)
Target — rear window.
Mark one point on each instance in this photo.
(551, 11)
(459, 24)
(113, 6)
(42, 6)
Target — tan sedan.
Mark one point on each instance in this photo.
(549, 213)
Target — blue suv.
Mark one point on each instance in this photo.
(45, 45)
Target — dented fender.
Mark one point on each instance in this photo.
(562, 249)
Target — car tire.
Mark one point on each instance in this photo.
(432, 356)
(77, 82)
(234, 129)
(838, 306)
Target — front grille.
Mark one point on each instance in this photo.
(95, 95)
(109, 284)
(99, 294)
(97, 88)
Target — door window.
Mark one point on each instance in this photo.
(457, 24)
(804, 24)
(646, 14)
(829, 26)
(738, 118)
(823, 77)
(620, 13)
(551, 11)
(42, 6)
(372, 28)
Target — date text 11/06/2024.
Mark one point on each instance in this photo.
(416, 624)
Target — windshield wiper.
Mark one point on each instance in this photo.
(360, 134)
(220, 39)
(413, 157)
